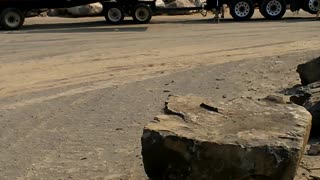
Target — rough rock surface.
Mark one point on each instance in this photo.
(309, 97)
(312, 104)
(240, 139)
(309, 71)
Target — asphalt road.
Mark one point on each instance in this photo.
(75, 93)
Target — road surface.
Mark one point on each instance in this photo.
(76, 93)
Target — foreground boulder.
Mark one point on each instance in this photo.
(242, 139)
(309, 97)
(309, 71)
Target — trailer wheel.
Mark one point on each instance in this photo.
(273, 9)
(11, 19)
(241, 10)
(114, 14)
(311, 6)
(142, 13)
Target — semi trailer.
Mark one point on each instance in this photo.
(13, 12)
(240, 10)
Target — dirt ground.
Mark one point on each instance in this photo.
(75, 94)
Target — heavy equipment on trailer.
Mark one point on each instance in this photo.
(240, 10)
(13, 12)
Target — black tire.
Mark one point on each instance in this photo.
(114, 14)
(142, 13)
(273, 9)
(311, 6)
(11, 19)
(241, 10)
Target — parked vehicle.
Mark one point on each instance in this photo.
(13, 12)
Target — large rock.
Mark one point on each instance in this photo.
(309, 97)
(78, 11)
(160, 3)
(309, 72)
(242, 139)
(179, 4)
(312, 104)
(86, 10)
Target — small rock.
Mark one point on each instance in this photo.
(309, 72)
(220, 79)
(314, 150)
(166, 91)
(119, 129)
(84, 158)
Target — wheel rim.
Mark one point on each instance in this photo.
(114, 14)
(242, 9)
(12, 19)
(274, 8)
(141, 14)
(313, 5)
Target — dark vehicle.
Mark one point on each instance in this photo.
(240, 10)
(13, 12)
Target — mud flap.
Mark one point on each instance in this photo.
(296, 5)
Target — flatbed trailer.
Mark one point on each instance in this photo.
(13, 12)
(240, 10)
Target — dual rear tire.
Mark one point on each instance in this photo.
(11, 19)
(141, 14)
(273, 9)
(242, 10)
(311, 6)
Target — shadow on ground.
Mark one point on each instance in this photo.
(210, 20)
(78, 27)
(129, 26)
